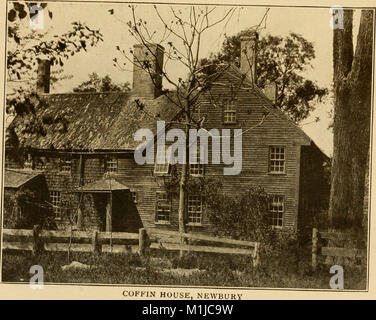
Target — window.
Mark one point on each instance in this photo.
(41, 163)
(134, 196)
(111, 164)
(163, 208)
(162, 166)
(194, 210)
(196, 169)
(28, 164)
(277, 160)
(276, 209)
(65, 164)
(229, 112)
(55, 198)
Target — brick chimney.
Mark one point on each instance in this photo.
(147, 83)
(248, 56)
(43, 76)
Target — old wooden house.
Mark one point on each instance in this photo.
(87, 152)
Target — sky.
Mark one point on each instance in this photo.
(312, 23)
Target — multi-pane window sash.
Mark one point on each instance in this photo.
(111, 164)
(195, 210)
(162, 168)
(229, 112)
(55, 198)
(196, 169)
(277, 160)
(65, 164)
(163, 208)
(276, 209)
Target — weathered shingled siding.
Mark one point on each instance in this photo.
(120, 125)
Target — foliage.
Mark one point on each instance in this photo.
(101, 84)
(280, 60)
(24, 209)
(25, 47)
(243, 217)
(215, 270)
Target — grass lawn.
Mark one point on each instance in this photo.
(165, 268)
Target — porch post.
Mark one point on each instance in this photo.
(79, 218)
(109, 213)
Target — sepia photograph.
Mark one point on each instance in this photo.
(187, 145)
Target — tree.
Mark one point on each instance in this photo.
(25, 47)
(280, 60)
(181, 34)
(351, 125)
(98, 84)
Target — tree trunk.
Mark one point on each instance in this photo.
(182, 184)
(351, 127)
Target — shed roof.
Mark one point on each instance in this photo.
(17, 178)
(105, 184)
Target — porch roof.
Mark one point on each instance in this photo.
(106, 184)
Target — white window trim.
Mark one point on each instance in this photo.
(57, 209)
(270, 160)
(229, 108)
(277, 212)
(200, 166)
(167, 165)
(201, 211)
(65, 162)
(112, 164)
(157, 200)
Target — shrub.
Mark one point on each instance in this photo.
(243, 217)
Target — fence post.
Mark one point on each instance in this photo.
(142, 241)
(314, 248)
(256, 255)
(37, 244)
(94, 241)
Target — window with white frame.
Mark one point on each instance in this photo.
(163, 208)
(229, 112)
(65, 164)
(162, 164)
(111, 164)
(276, 210)
(277, 160)
(196, 169)
(55, 199)
(194, 210)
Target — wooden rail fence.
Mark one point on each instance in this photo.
(319, 248)
(123, 242)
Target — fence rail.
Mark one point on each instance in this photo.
(320, 249)
(123, 242)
